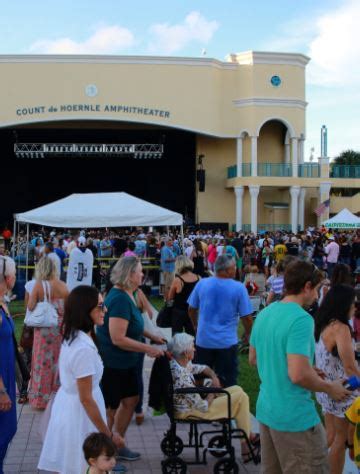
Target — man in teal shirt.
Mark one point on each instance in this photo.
(282, 346)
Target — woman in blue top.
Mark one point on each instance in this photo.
(7, 361)
(120, 343)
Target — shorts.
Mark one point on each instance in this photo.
(117, 384)
(168, 279)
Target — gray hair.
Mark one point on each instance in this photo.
(180, 343)
(223, 262)
(45, 269)
(183, 265)
(122, 270)
(7, 267)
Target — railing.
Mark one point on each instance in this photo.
(309, 170)
(345, 171)
(274, 169)
(263, 169)
(232, 172)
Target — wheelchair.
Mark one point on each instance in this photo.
(220, 446)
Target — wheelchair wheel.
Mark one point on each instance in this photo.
(226, 465)
(172, 445)
(217, 446)
(173, 466)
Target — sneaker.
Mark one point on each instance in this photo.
(119, 468)
(126, 455)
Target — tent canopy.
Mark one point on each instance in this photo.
(100, 210)
(343, 220)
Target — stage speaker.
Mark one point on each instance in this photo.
(201, 179)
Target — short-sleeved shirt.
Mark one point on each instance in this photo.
(221, 302)
(280, 251)
(119, 305)
(167, 254)
(279, 330)
(353, 415)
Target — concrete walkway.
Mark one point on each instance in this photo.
(24, 451)
(25, 448)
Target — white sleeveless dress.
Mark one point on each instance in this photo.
(69, 423)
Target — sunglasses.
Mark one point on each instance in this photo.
(101, 306)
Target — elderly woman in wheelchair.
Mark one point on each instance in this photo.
(214, 406)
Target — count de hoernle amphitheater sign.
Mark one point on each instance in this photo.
(107, 108)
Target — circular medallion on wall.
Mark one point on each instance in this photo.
(275, 81)
(91, 90)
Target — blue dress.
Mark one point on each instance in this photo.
(7, 372)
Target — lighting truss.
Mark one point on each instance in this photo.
(141, 151)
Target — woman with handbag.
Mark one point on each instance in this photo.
(47, 339)
(8, 423)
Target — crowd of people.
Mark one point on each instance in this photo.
(295, 296)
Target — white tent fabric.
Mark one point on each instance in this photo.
(343, 220)
(100, 210)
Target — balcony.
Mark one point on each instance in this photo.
(309, 170)
(306, 170)
(345, 171)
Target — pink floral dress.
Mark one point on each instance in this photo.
(44, 378)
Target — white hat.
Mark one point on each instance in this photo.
(81, 241)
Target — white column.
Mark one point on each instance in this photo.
(239, 156)
(302, 208)
(324, 195)
(254, 156)
(254, 193)
(301, 151)
(287, 148)
(294, 192)
(294, 157)
(239, 193)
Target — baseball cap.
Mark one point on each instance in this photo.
(81, 241)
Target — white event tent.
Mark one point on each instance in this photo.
(343, 220)
(99, 210)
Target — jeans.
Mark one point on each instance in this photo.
(223, 361)
(330, 269)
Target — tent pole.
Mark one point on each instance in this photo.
(27, 251)
(182, 238)
(14, 238)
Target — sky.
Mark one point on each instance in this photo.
(325, 30)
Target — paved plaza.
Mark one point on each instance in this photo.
(25, 449)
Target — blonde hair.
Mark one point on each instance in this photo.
(45, 269)
(7, 264)
(122, 270)
(183, 264)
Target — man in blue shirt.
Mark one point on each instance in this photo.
(282, 345)
(215, 306)
(167, 265)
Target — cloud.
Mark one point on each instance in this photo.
(168, 39)
(105, 40)
(335, 50)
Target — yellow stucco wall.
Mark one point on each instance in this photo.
(216, 204)
(337, 203)
(198, 94)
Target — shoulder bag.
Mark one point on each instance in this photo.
(44, 315)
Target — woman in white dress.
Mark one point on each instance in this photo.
(78, 407)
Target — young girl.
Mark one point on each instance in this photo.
(99, 452)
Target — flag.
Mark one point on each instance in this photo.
(322, 208)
